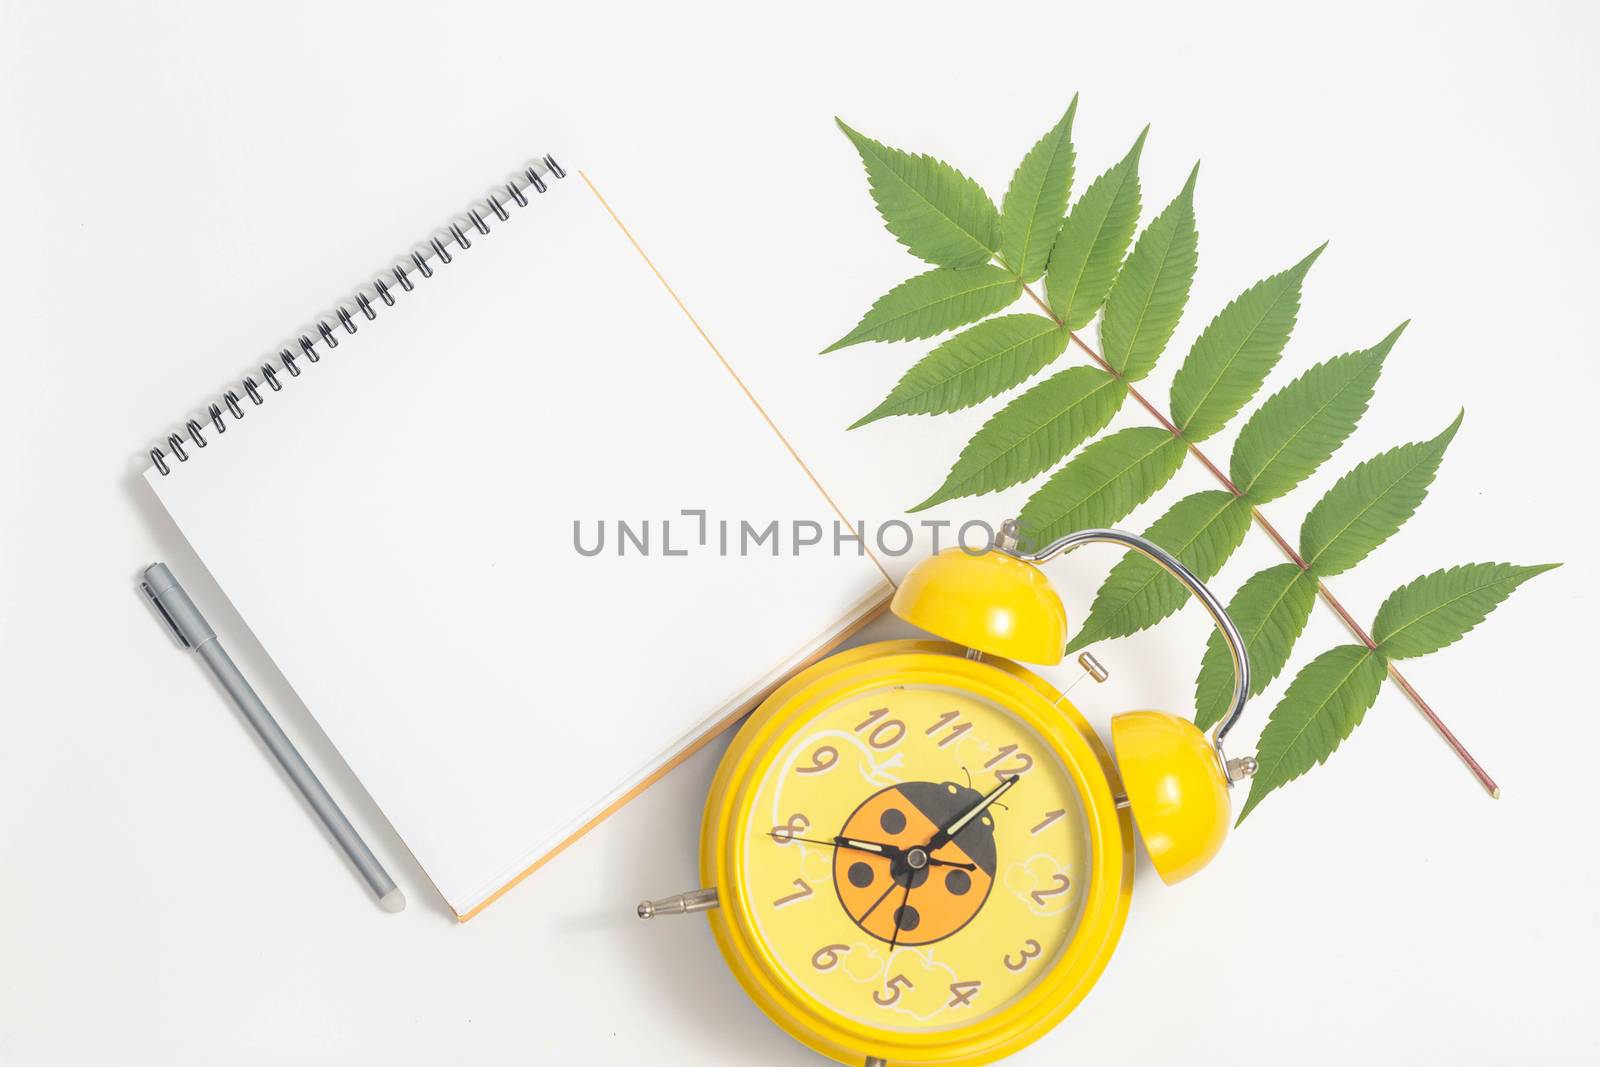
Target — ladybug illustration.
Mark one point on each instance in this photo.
(947, 886)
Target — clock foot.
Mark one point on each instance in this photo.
(874, 1061)
(682, 904)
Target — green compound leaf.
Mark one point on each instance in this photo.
(1366, 506)
(1103, 483)
(1234, 353)
(1324, 703)
(972, 366)
(1300, 427)
(1271, 610)
(938, 213)
(1438, 609)
(1092, 241)
(1148, 297)
(931, 303)
(1202, 530)
(1030, 214)
(1033, 432)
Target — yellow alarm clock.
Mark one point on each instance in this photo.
(918, 852)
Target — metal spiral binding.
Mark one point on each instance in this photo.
(422, 259)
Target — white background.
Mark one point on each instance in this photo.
(186, 183)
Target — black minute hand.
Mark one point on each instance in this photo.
(838, 842)
(943, 837)
(890, 851)
(895, 853)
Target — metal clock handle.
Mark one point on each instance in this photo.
(1007, 540)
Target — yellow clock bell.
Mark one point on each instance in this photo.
(918, 852)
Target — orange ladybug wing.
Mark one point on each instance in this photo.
(863, 879)
(942, 899)
(943, 904)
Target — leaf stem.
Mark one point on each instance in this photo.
(1326, 594)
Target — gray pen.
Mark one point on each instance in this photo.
(193, 632)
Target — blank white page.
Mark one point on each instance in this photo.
(396, 527)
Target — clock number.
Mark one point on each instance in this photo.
(786, 833)
(894, 987)
(1031, 950)
(1063, 883)
(1023, 764)
(826, 958)
(803, 892)
(1049, 817)
(961, 993)
(947, 719)
(885, 734)
(824, 757)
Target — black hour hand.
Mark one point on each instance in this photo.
(865, 846)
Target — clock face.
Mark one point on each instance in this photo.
(880, 882)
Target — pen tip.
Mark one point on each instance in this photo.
(393, 900)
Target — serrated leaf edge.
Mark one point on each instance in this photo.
(1515, 579)
(1089, 633)
(1292, 284)
(857, 137)
(1130, 160)
(1378, 353)
(1445, 438)
(1186, 193)
(1020, 269)
(998, 278)
(1258, 680)
(882, 411)
(934, 498)
(1121, 472)
(1252, 801)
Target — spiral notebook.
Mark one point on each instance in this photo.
(479, 516)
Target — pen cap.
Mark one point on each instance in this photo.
(175, 607)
